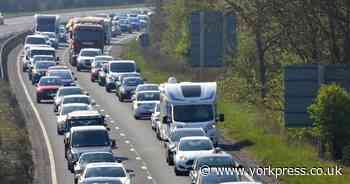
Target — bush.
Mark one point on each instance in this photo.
(331, 114)
(346, 155)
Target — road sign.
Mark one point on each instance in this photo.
(212, 35)
(302, 83)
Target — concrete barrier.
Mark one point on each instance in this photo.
(8, 45)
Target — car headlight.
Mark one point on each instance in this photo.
(209, 127)
(183, 157)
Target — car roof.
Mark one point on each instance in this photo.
(194, 138)
(42, 48)
(45, 62)
(61, 70)
(75, 105)
(96, 152)
(97, 179)
(84, 113)
(122, 61)
(135, 77)
(88, 128)
(148, 84)
(208, 155)
(104, 164)
(151, 91)
(90, 49)
(76, 96)
(43, 56)
(187, 129)
(69, 87)
(36, 36)
(103, 56)
(49, 77)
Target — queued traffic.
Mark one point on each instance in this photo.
(183, 115)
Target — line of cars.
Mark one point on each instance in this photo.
(183, 116)
(87, 144)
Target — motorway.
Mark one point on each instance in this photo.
(136, 141)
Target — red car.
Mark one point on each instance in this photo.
(47, 87)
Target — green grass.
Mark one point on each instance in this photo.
(248, 123)
(16, 164)
(18, 14)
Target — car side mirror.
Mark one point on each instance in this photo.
(27, 57)
(75, 78)
(138, 70)
(57, 58)
(86, 93)
(113, 143)
(130, 171)
(109, 129)
(93, 102)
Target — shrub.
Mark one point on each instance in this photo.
(331, 114)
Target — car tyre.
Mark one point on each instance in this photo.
(38, 99)
(169, 159)
(177, 172)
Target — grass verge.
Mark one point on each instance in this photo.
(245, 122)
(16, 165)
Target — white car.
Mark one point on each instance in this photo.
(105, 170)
(86, 57)
(36, 40)
(33, 51)
(188, 149)
(115, 68)
(65, 91)
(63, 114)
(147, 87)
(144, 103)
(76, 99)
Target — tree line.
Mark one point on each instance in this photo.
(40, 5)
(272, 34)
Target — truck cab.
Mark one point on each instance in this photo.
(189, 105)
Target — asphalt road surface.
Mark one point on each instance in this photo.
(135, 139)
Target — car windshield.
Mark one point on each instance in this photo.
(133, 82)
(89, 35)
(62, 74)
(84, 100)
(123, 67)
(177, 135)
(86, 122)
(96, 157)
(36, 41)
(44, 65)
(68, 109)
(43, 58)
(149, 96)
(90, 53)
(216, 161)
(42, 52)
(105, 172)
(148, 88)
(123, 21)
(216, 179)
(50, 81)
(193, 113)
(70, 91)
(195, 145)
(90, 138)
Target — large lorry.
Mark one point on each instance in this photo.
(46, 23)
(189, 105)
(84, 35)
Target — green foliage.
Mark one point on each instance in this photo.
(346, 155)
(331, 114)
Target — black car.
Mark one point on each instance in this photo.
(128, 87)
(39, 69)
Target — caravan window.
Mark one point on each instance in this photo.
(193, 113)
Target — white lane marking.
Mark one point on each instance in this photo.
(138, 158)
(112, 122)
(144, 168)
(122, 134)
(117, 128)
(149, 177)
(127, 142)
(42, 127)
(107, 116)
(132, 149)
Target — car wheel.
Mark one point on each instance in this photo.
(78, 68)
(58, 131)
(177, 172)
(136, 117)
(169, 159)
(92, 80)
(38, 99)
(158, 134)
(120, 97)
(24, 69)
(107, 89)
